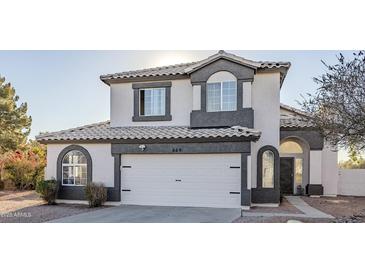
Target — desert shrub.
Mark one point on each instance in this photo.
(1, 185)
(96, 194)
(48, 190)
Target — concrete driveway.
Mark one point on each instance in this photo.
(154, 214)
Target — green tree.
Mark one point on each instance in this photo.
(14, 122)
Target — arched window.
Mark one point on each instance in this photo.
(290, 147)
(221, 94)
(268, 161)
(74, 169)
(268, 165)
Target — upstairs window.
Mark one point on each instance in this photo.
(222, 96)
(152, 102)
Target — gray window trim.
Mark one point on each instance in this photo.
(276, 165)
(69, 191)
(137, 117)
(267, 195)
(201, 118)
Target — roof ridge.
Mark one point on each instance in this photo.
(72, 129)
(151, 68)
(188, 67)
(298, 111)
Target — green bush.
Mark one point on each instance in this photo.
(48, 190)
(96, 194)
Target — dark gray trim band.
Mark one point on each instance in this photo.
(312, 137)
(239, 94)
(136, 102)
(114, 193)
(151, 85)
(182, 148)
(314, 190)
(151, 118)
(72, 192)
(202, 119)
(267, 195)
(245, 193)
(203, 97)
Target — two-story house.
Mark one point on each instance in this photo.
(204, 134)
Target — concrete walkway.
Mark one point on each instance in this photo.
(154, 214)
(296, 201)
(309, 211)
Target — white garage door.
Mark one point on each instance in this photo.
(201, 180)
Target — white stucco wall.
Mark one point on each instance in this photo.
(315, 167)
(265, 99)
(102, 161)
(351, 182)
(121, 105)
(329, 171)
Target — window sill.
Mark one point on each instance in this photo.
(151, 118)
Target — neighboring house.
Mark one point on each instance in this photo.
(206, 134)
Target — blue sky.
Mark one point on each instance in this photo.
(63, 90)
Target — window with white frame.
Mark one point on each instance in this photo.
(222, 96)
(74, 169)
(152, 101)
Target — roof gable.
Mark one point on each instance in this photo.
(226, 56)
(179, 71)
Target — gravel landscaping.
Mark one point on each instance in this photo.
(27, 207)
(345, 209)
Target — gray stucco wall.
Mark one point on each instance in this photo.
(243, 117)
(312, 137)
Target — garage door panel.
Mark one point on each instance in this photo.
(174, 171)
(182, 180)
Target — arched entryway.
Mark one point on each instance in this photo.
(294, 165)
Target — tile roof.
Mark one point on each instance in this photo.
(186, 68)
(296, 119)
(103, 131)
(294, 122)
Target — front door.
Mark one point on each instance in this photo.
(286, 175)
